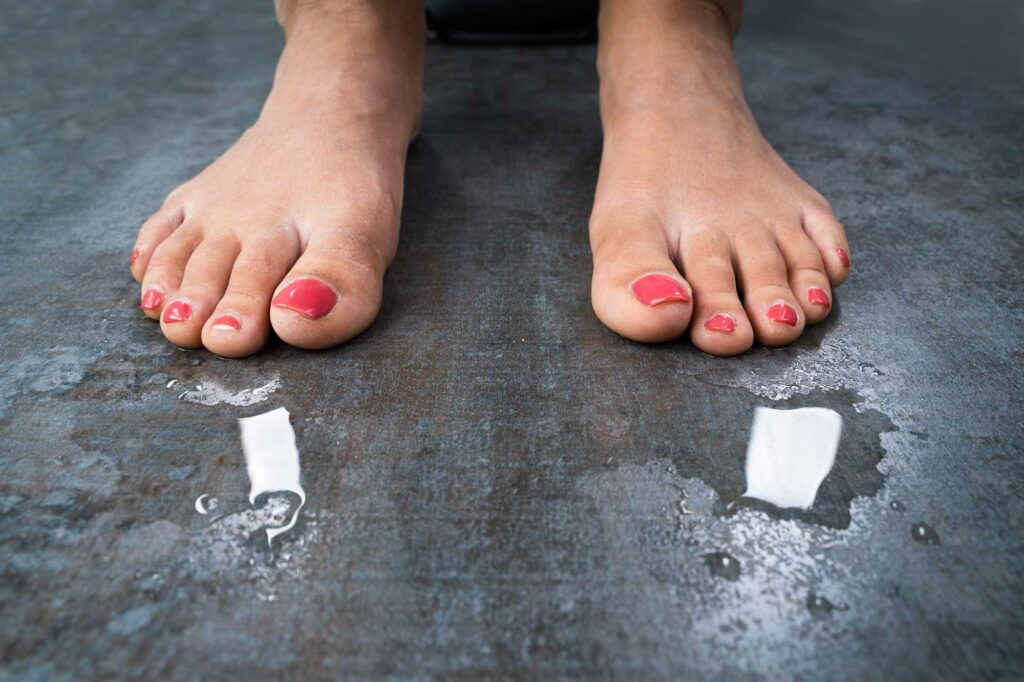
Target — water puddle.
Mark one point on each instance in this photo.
(796, 465)
(212, 392)
(272, 462)
(789, 454)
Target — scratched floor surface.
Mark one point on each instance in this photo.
(498, 486)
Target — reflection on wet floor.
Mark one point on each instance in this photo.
(854, 471)
(790, 453)
(272, 462)
(272, 459)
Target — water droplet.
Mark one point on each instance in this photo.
(819, 606)
(924, 533)
(896, 505)
(204, 505)
(723, 565)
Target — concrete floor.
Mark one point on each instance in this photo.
(499, 487)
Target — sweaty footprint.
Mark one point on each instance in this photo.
(293, 227)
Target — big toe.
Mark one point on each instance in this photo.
(331, 295)
(637, 290)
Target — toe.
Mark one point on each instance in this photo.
(202, 285)
(807, 277)
(829, 237)
(166, 267)
(152, 233)
(332, 293)
(772, 308)
(240, 324)
(720, 325)
(637, 290)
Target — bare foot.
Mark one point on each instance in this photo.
(689, 187)
(293, 227)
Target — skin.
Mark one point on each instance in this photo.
(312, 190)
(688, 188)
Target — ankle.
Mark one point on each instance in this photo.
(653, 55)
(292, 15)
(363, 57)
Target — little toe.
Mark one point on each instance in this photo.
(636, 289)
(775, 315)
(240, 324)
(202, 286)
(829, 237)
(332, 294)
(807, 277)
(166, 268)
(153, 232)
(720, 325)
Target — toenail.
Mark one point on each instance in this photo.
(308, 297)
(817, 296)
(652, 290)
(152, 299)
(720, 323)
(136, 252)
(783, 313)
(178, 311)
(228, 322)
(844, 258)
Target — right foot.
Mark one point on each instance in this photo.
(293, 227)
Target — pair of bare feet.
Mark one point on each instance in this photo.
(698, 225)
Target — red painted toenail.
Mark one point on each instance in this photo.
(228, 322)
(720, 323)
(782, 313)
(843, 257)
(152, 299)
(177, 311)
(817, 296)
(308, 297)
(655, 289)
(136, 252)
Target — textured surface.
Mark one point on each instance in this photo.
(496, 484)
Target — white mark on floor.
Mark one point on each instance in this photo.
(201, 507)
(790, 453)
(272, 460)
(211, 392)
(835, 366)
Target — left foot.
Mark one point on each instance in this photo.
(688, 186)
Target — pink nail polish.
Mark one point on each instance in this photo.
(817, 296)
(309, 297)
(136, 252)
(652, 290)
(720, 323)
(177, 311)
(152, 299)
(228, 322)
(844, 258)
(782, 313)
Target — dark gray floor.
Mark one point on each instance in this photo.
(498, 486)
